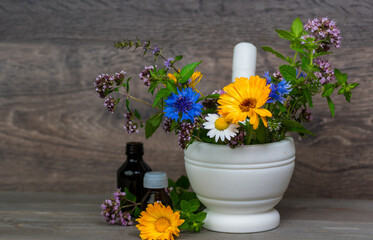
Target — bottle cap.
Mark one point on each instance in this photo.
(155, 180)
(134, 148)
(244, 60)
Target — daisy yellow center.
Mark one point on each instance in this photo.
(162, 224)
(247, 104)
(221, 124)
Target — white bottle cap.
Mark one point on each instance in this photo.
(155, 180)
(244, 60)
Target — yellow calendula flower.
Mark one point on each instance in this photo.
(171, 76)
(194, 79)
(159, 222)
(245, 98)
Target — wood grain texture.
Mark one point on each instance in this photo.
(26, 216)
(55, 134)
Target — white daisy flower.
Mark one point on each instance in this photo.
(220, 128)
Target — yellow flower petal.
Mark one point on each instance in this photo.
(159, 222)
(245, 98)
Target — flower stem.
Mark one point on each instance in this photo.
(138, 100)
(249, 130)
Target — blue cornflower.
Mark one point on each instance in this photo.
(277, 90)
(184, 103)
(168, 62)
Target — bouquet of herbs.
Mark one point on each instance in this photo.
(251, 110)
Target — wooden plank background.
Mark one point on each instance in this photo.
(55, 134)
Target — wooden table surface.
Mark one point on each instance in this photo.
(55, 216)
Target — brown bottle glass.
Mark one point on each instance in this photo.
(155, 183)
(131, 174)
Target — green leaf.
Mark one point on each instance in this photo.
(152, 124)
(136, 212)
(171, 183)
(137, 114)
(308, 95)
(347, 95)
(194, 205)
(187, 196)
(173, 125)
(188, 71)
(341, 77)
(127, 84)
(328, 90)
(129, 195)
(174, 198)
(293, 126)
(297, 27)
(152, 87)
(322, 54)
(178, 58)
(285, 34)
(185, 206)
(261, 133)
(331, 106)
(305, 62)
(184, 226)
(183, 182)
(172, 87)
(213, 96)
(128, 105)
(288, 72)
(298, 50)
(354, 85)
(163, 93)
(201, 216)
(281, 107)
(279, 55)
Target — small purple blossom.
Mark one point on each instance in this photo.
(168, 62)
(306, 115)
(220, 92)
(185, 133)
(326, 73)
(110, 103)
(104, 83)
(131, 125)
(156, 50)
(238, 139)
(119, 77)
(324, 30)
(167, 124)
(145, 75)
(112, 211)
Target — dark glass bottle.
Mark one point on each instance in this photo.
(155, 183)
(131, 174)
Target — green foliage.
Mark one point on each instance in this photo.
(152, 124)
(293, 126)
(187, 203)
(279, 55)
(289, 73)
(331, 105)
(187, 72)
(297, 28)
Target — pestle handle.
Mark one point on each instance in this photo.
(244, 60)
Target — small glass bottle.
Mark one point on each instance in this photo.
(131, 174)
(155, 183)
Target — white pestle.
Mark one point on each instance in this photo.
(244, 60)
